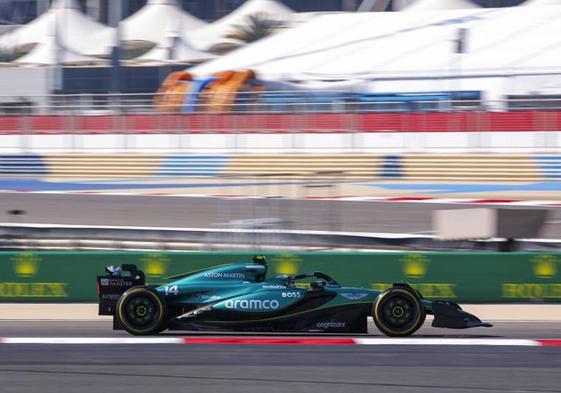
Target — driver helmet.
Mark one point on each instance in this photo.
(260, 259)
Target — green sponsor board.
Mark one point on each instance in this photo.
(462, 277)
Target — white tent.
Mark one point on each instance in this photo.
(50, 52)
(174, 49)
(153, 22)
(408, 51)
(425, 5)
(535, 3)
(215, 32)
(399, 5)
(313, 45)
(77, 30)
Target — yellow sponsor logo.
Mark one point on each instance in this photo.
(428, 290)
(531, 291)
(415, 265)
(544, 266)
(154, 265)
(26, 264)
(33, 289)
(287, 263)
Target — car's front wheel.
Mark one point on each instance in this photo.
(141, 311)
(398, 312)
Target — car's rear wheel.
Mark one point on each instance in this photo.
(398, 312)
(142, 311)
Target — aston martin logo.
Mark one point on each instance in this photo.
(544, 266)
(26, 264)
(154, 265)
(415, 265)
(286, 263)
(354, 295)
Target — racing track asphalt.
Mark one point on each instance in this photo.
(246, 369)
(201, 212)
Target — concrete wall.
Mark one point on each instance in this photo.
(403, 142)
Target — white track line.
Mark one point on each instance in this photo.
(269, 341)
(447, 341)
(467, 201)
(91, 340)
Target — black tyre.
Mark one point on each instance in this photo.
(398, 312)
(142, 311)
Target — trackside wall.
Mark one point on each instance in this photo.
(476, 277)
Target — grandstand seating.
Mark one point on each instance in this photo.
(419, 167)
(102, 166)
(360, 166)
(469, 167)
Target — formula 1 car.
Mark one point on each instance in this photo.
(238, 297)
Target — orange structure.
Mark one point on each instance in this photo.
(223, 92)
(171, 94)
(217, 96)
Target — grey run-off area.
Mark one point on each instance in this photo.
(203, 212)
(279, 368)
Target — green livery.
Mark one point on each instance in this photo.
(240, 297)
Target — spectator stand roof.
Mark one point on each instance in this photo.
(175, 48)
(154, 21)
(51, 52)
(216, 32)
(78, 31)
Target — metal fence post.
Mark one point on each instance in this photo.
(23, 137)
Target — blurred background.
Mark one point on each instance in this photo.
(267, 125)
(376, 140)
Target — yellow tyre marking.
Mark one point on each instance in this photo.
(154, 296)
(376, 312)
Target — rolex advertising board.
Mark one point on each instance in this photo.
(477, 277)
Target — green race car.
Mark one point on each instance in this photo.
(239, 297)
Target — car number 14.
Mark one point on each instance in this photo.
(171, 290)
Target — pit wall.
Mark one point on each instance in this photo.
(474, 277)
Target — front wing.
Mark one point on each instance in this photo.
(450, 315)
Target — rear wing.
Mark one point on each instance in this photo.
(111, 286)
